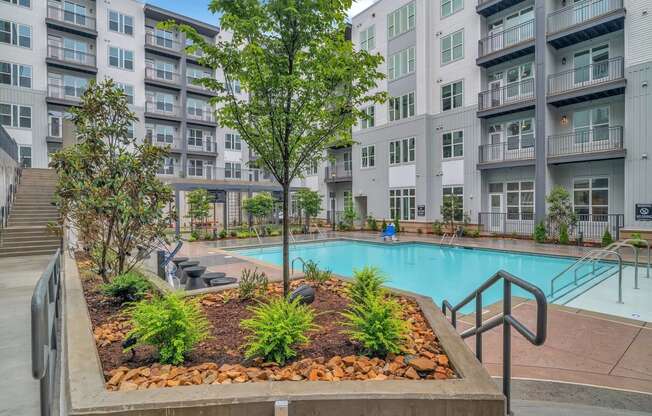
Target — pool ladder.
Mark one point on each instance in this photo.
(450, 241)
(303, 265)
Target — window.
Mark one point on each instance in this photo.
(369, 120)
(55, 124)
(74, 86)
(193, 74)
(449, 7)
(14, 115)
(121, 58)
(74, 13)
(195, 167)
(164, 102)
(163, 38)
(368, 156)
(452, 47)
(312, 168)
(402, 151)
(520, 200)
(22, 3)
(196, 108)
(167, 166)
(401, 63)
(232, 141)
(591, 198)
(128, 90)
(454, 195)
(591, 124)
(401, 107)
(130, 131)
(348, 200)
(16, 75)
(453, 144)
(234, 86)
(452, 96)
(25, 154)
(164, 70)
(121, 23)
(368, 38)
(401, 20)
(402, 203)
(196, 138)
(520, 134)
(160, 134)
(232, 170)
(15, 34)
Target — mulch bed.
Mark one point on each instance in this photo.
(330, 356)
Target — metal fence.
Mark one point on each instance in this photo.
(152, 39)
(597, 139)
(158, 74)
(521, 224)
(501, 152)
(46, 322)
(163, 108)
(586, 76)
(338, 172)
(506, 38)
(59, 14)
(71, 55)
(507, 94)
(580, 12)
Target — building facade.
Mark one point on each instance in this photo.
(498, 101)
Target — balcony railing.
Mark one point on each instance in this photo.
(506, 38)
(504, 152)
(517, 223)
(66, 92)
(170, 170)
(209, 172)
(597, 139)
(338, 172)
(158, 107)
(580, 12)
(163, 141)
(506, 95)
(203, 145)
(59, 14)
(152, 39)
(586, 76)
(200, 115)
(156, 74)
(70, 55)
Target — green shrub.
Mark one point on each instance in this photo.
(383, 226)
(223, 234)
(243, 234)
(563, 234)
(539, 234)
(314, 274)
(397, 225)
(640, 242)
(128, 287)
(194, 235)
(474, 233)
(371, 223)
(277, 327)
(607, 238)
(436, 228)
(252, 284)
(233, 233)
(172, 324)
(367, 282)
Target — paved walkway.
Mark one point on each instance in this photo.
(19, 393)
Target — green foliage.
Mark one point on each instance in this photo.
(607, 239)
(277, 327)
(450, 205)
(640, 242)
(172, 324)
(259, 206)
(397, 225)
(194, 235)
(367, 282)
(563, 234)
(252, 284)
(314, 274)
(308, 202)
(222, 234)
(198, 206)
(349, 216)
(539, 234)
(372, 224)
(383, 226)
(473, 233)
(128, 287)
(560, 210)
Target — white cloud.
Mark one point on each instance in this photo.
(359, 5)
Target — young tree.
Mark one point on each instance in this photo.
(309, 202)
(560, 210)
(107, 189)
(259, 206)
(199, 205)
(304, 82)
(448, 209)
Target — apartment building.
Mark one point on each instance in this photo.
(497, 101)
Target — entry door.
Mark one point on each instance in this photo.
(496, 212)
(332, 209)
(496, 138)
(495, 36)
(495, 88)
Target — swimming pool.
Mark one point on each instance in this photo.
(439, 272)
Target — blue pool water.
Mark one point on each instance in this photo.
(439, 272)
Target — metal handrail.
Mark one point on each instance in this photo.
(618, 245)
(450, 242)
(156, 74)
(303, 264)
(58, 13)
(500, 152)
(593, 255)
(585, 76)
(506, 319)
(596, 139)
(579, 13)
(506, 38)
(257, 235)
(511, 93)
(292, 236)
(443, 236)
(634, 242)
(71, 55)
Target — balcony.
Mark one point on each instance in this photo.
(71, 59)
(162, 78)
(64, 95)
(583, 21)
(203, 117)
(235, 174)
(338, 172)
(171, 170)
(162, 140)
(488, 7)
(507, 99)
(162, 45)
(506, 45)
(202, 146)
(590, 82)
(598, 143)
(505, 155)
(162, 111)
(67, 21)
(198, 88)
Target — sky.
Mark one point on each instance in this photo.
(198, 9)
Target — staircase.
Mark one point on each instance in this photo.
(27, 231)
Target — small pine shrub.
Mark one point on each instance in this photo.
(563, 234)
(372, 224)
(314, 274)
(607, 238)
(172, 324)
(474, 233)
(277, 327)
(539, 234)
(383, 225)
(128, 287)
(397, 225)
(367, 282)
(233, 233)
(194, 235)
(252, 284)
(436, 228)
(222, 234)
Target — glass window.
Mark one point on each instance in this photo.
(591, 199)
(368, 156)
(55, 124)
(121, 58)
(455, 195)
(448, 7)
(195, 167)
(452, 96)
(401, 63)
(195, 137)
(402, 151)
(232, 170)
(15, 34)
(13, 115)
(452, 47)
(16, 75)
(369, 119)
(368, 38)
(22, 3)
(401, 107)
(520, 200)
(402, 203)
(401, 20)
(121, 23)
(128, 90)
(25, 154)
(453, 144)
(232, 141)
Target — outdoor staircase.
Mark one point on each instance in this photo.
(27, 233)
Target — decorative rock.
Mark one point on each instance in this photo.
(412, 374)
(422, 364)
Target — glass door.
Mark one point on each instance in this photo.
(496, 139)
(495, 36)
(496, 92)
(496, 211)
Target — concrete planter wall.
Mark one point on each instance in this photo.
(473, 393)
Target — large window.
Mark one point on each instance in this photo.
(23, 3)
(591, 124)
(348, 200)
(520, 134)
(74, 13)
(160, 133)
(25, 154)
(449, 7)
(196, 108)
(401, 63)
(401, 20)
(55, 124)
(370, 119)
(16, 75)
(232, 170)
(15, 34)
(121, 58)
(368, 156)
(14, 115)
(232, 141)
(591, 197)
(455, 195)
(402, 203)
(167, 166)
(128, 90)
(195, 137)
(452, 96)
(368, 38)
(196, 168)
(74, 86)
(401, 107)
(452, 47)
(402, 151)
(520, 200)
(452, 144)
(121, 23)
(164, 102)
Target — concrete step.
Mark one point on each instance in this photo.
(18, 238)
(42, 222)
(30, 252)
(18, 214)
(34, 232)
(20, 250)
(29, 244)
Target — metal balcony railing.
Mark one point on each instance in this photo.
(202, 145)
(152, 39)
(506, 38)
(70, 55)
(503, 152)
(517, 223)
(597, 139)
(170, 170)
(58, 13)
(67, 92)
(234, 173)
(163, 108)
(580, 12)
(507, 94)
(586, 76)
(338, 172)
(157, 74)
(165, 140)
(199, 114)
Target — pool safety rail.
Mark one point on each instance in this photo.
(506, 319)
(46, 321)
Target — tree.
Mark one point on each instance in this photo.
(560, 210)
(107, 189)
(260, 205)
(349, 216)
(199, 204)
(449, 207)
(309, 202)
(304, 81)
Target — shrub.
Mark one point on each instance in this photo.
(233, 233)
(539, 234)
(314, 275)
(223, 234)
(640, 242)
(194, 235)
(607, 238)
(563, 234)
(397, 225)
(277, 327)
(436, 228)
(252, 283)
(383, 226)
(172, 324)
(371, 223)
(368, 281)
(474, 233)
(128, 287)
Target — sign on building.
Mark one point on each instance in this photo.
(643, 212)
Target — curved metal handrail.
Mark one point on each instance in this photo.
(303, 264)
(647, 243)
(587, 256)
(617, 246)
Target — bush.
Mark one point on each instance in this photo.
(233, 233)
(371, 223)
(607, 238)
(640, 242)
(128, 287)
(194, 235)
(539, 234)
(383, 226)
(276, 328)
(314, 275)
(367, 282)
(252, 284)
(172, 324)
(436, 228)
(222, 234)
(397, 225)
(474, 233)
(563, 234)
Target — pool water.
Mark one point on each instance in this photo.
(439, 272)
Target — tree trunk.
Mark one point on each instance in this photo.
(286, 241)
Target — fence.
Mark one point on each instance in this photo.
(71, 55)
(580, 12)
(597, 139)
(506, 38)
(59, 14)
(501, 152)
(158, 74)
(507, 94)
(338, 171)
(586, 76)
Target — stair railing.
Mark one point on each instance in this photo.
(506, 319)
